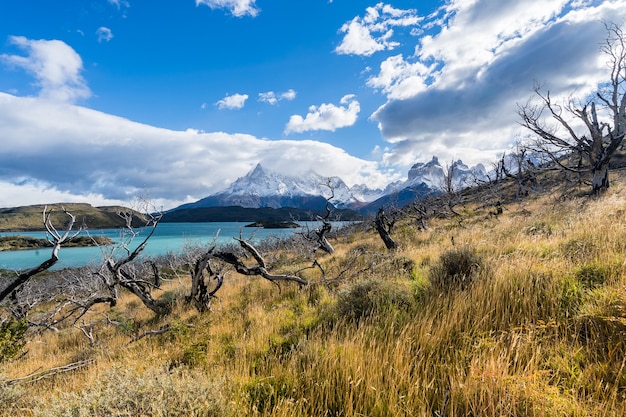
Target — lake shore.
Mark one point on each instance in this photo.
(18, 242)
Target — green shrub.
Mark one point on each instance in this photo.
(363, 298)
(456, 267)
(12, 338)
(593, 274)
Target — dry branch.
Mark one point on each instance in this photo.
(49, 373)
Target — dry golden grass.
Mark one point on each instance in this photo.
(539, 331)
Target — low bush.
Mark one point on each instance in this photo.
(363, 298)
(157, 392)
(456, 268)
(12, 338)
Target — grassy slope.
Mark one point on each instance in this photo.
(30, 217)
(540, 332)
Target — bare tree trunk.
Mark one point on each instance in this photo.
(600, 179)
(324, 244)
(326, 227)
(383, 227)
(200, 293)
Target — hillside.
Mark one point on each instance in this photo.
(243, 214)
(518, 312)
(29, 218)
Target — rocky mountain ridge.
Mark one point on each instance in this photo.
(262, 187)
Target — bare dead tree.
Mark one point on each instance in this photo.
(57, 239)
(123, 273)
(447, 185)
(590, 149)
(384, 226)
(421, 216)
(261, 268)
(319, 235)
(200, 294)
(523, 170)
(322, 231)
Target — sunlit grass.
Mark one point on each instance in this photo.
(538, 330)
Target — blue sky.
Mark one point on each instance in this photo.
(101, 100)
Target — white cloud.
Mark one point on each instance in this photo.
(288, 95)
(372, 33)
(326, 117)
(236, 101)
(238, 8)
(475, 61)
(75, 153)
(55, 65)
(358, 40)
(400, 79)
(268, 97)
(272, 98)
(104, 34)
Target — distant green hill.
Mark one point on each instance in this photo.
(241, 214)
(30, 218)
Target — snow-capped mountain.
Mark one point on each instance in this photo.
(363, 193)
(262, 187)
(428, 178)
(433, 174)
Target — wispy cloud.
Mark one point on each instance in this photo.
(54, 64)
(238, 8)
(365, 35)
(104, 34)
(119, 3)
(326, 116)
(272, 98)
(234, 102)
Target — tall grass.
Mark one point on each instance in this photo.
(523, 315)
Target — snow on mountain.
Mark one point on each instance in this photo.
(433, 175)
(262, 187)
(363, 193)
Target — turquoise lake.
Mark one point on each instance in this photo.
(168, 238)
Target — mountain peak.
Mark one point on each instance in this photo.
(262, 187)
(433, 162)
(258, 171)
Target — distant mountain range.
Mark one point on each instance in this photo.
(265, 195)
(425, 179)
(263, 188)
